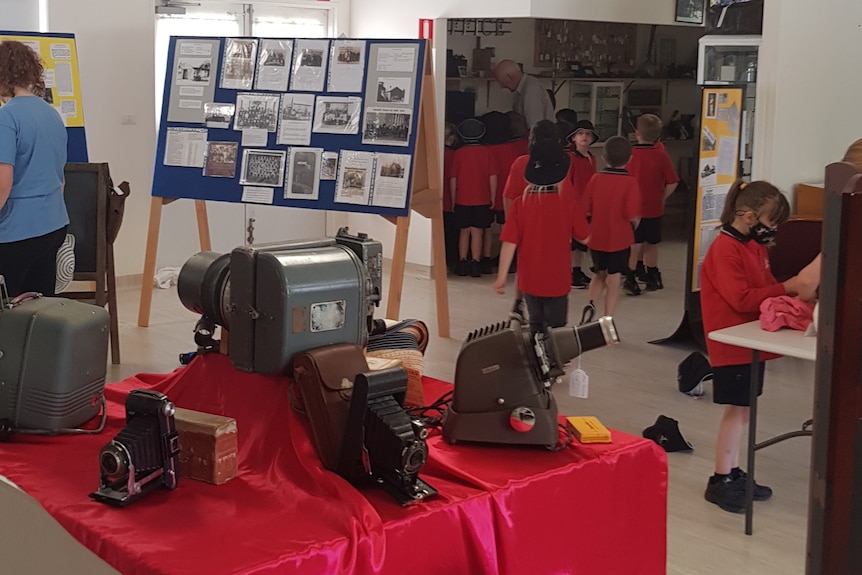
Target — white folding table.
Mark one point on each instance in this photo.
(787, 342)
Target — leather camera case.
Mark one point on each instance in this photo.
(325, 378)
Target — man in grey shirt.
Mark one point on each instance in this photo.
(531, 99)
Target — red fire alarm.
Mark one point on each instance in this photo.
(426, 29)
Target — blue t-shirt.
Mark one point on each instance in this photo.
(33, 142)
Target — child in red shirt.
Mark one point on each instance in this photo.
(582, 137)
(657, 180)
(734, 280)
(541, 224)
(473, 185)
(450, 228)
(497, 140)
(613, 200)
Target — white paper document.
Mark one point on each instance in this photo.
(387, 126)
(61, 52)
(337, 115)
(396, 58)
(48, 77)
(256, 111)
(355, 174)
(727, 158)
(329, 166)
(254, 138)
(257, 195)
(712, 202)
(310, 58)
(63, 78)
(193, 71)
(346, 65)
(295, 117)
(238, 63)
(195, 48)
(391, 180)
(303, 174)
(273, 66)
(192, 91)
(185, 147)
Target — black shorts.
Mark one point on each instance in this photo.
(473, 216)
(648, 231)
(578, 246)
(498, 217)
(731, 384)
(611, 262)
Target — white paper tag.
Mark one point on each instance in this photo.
(579, 384)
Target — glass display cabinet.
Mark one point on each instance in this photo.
(600, 103)
(733, 60)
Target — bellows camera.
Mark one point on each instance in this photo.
(280, 299)
(144, 455)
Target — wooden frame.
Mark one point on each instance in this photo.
(83, 213)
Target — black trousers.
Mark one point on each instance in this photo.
(546, 312)
(31, 264)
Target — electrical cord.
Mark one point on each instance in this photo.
(424, 413)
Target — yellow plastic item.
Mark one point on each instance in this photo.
(588, 429)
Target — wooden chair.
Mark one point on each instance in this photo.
(797, 243)
(87, 192)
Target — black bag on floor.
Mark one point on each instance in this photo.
(692, 372)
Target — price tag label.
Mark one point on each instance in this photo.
(579, 384)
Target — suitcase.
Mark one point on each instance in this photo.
(325, 379)
(208, 446)
(53, 360)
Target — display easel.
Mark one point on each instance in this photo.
(425, 198)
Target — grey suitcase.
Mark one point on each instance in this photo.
(53, 361)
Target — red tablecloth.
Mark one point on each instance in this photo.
(586, 509)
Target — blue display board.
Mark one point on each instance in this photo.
(60, 57)
(370, 86)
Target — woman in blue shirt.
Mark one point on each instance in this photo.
(33, 216)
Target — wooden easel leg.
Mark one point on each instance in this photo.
(399, 259)
(112, 307)
(150, 262)
(203, 225)
(438, 251)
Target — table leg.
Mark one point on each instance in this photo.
(752, 440)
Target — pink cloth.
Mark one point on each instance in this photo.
(785, 311)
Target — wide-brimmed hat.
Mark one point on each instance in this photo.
(471, 130)
(548, 164)
(587, 126)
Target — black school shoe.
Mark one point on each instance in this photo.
(726, 492)
(761, 492)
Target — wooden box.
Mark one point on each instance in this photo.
(208, 446)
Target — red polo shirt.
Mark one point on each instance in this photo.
(652, 168)
(516, 183)
(542, 225)
(472, 168)
(448, 156)
(504, 156)
(583, 168)
(613, 200)
(734, 280)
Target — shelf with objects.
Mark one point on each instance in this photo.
(726, 60)
(600, 103)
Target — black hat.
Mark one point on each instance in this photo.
(471, 130)
(548, 164)
(692, 372)
(586, 126)
(666, 433)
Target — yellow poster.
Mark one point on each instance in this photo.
(62, 83)
(718, 166)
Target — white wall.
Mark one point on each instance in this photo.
(637, 11)
(116, 47)
(20, 15)
(808, 88)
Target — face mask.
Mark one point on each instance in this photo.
(763, 234)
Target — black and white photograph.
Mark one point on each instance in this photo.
(387, 127)
(393, 90)
(390, 180)
(256, 111)
(263, 168)
(309, 65)
(220, 159)
(711, 105)
(193, 71)
(355, 174)
(294, 124)
(346, 65)
(303, 174)
(690, 11)
(273, 65)
(218, 115)
(329, 165)
(337, 115)
(238, 63)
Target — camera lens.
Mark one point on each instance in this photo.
(414, 457)
(204, 286)
(113, 461)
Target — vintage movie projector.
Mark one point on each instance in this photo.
(278, 300)
(503, 379)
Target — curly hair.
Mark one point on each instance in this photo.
(20, 67)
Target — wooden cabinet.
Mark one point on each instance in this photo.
(809, 201)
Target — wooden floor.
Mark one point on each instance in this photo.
(630, 385)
